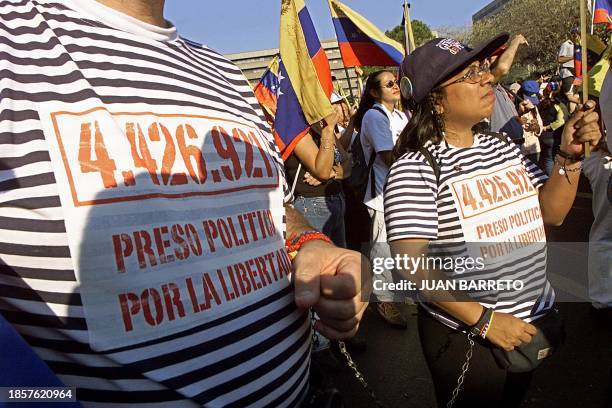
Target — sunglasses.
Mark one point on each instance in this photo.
(390, 84)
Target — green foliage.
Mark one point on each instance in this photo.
(421, 31)
(544, 23)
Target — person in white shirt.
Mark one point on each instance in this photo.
(380, 125)
(566, 68)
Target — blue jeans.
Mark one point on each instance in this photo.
(549, 141)
(325, 214)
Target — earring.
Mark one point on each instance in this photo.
(439, 122)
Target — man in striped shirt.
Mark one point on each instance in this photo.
(144, 211)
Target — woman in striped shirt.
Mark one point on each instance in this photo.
(476, 206)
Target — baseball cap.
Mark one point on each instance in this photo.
(530, 91)
(434, 61)
(575, 30)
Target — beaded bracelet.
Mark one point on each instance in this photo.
(563, 171)
(293, 243)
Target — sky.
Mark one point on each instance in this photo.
(231, 26)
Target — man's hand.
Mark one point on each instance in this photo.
(329, 280)
(519, 39)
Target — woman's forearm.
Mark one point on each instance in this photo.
(324, 160)
(558, 194)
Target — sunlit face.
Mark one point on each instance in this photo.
(342, 112)
(469, 95)
(388, 89)
(575, 37)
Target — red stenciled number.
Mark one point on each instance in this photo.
(190, 152)
(503, 187)
(490, 182)
(103, 163)
(226, 150)
(526, 181)
(140, 151)
(240, 136)
(169, 155)
(264, 156)
(484, 193)
(514, 179)
(468, 197)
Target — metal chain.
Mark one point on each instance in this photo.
(358, 375)
(464, 369)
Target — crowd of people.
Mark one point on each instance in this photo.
(156, 250)
(531, 125)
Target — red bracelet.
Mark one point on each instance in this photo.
(293, 243)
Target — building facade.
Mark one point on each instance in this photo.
(254, 63)
(489, 9)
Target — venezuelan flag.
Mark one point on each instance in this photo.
(595, 48)
(304, 77)
(266, 90)
(360, 41)
(603, 12)
(597, 74)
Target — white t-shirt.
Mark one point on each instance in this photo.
(379, 134)
(567, 50)
(142, 215)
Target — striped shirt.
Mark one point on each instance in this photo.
(141, 232)
(418, 207)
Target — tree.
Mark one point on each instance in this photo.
(545, 24)
(421, 31)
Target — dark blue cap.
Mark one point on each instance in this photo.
(432, 63)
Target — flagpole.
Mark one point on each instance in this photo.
(359, 72)
(348, 80)
(593, 3)
(408, 27)
(585, 68)
(406, 36)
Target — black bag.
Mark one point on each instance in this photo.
(321, 391)
(361, 171)
(526, 357)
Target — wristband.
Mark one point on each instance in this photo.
(481, 327)
(570, 157)
(293, 243)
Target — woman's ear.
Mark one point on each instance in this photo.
(436, 101)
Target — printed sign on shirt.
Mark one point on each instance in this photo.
(499, 213)
(173, 219)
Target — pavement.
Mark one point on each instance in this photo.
(578, 375)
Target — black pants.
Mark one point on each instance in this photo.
(485, 384)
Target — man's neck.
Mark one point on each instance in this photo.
(148, 11)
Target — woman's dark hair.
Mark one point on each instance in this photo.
(424, 125)
(367, 100)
